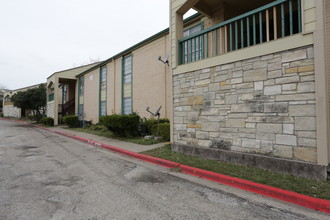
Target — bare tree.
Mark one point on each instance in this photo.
(91, 60)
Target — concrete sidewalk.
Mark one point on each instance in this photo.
(137, 148)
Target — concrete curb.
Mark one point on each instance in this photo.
(288, 196)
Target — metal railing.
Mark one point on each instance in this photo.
(276, 20)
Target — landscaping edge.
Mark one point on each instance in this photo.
(285, 195)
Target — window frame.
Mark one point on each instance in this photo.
(188, 49)
(81, 88)
(124, 82)
(103, 86)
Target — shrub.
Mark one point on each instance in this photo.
(47, 121)
(71, 120)
(163, 130)
(96, 127)
(152, 123)
(122, 125)
(1, 115)
(32, 118)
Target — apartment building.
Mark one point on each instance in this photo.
(130, 81)
(251, 83)
(127, 82)
(61, 92)
(11, 111)
(2, 91)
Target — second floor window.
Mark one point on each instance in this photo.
(127, 85)
(103, 91)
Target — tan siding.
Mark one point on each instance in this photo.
(309, 15)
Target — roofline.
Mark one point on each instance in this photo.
(125, 51)
(165, 31)
(73, 68)
(26, 87)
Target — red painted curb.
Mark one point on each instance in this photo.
(288, 196)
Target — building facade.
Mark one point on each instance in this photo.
(251, 79)
(2, 91)
(61, 92)
(11, 111)
(128, 82)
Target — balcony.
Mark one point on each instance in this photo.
(270, 22)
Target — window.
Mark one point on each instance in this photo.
(192, 30)
(51, 93)
(128, 69)
(127, 85)
(103, 106)
(51, 97)
(81, 98)
(103, 91)
(64, 94)
(81, 112)
(193, 48)
(81, 86)
(127, 106)
(103, 74)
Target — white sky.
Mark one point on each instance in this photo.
(40, 37)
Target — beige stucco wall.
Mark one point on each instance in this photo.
(91, 96)
(327, 41)
(150, 78)
(150, 82)
(327, 29)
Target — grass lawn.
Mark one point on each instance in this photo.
(318, 189)
(109, 134)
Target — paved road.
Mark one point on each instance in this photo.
(47, 176)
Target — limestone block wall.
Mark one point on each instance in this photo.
(11, 111)
(50, 109)
(264, 105)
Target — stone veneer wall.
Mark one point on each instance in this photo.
(264, 105)
(11, 111)
(50, 109)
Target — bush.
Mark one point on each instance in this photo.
(122, 125)
(47, 121)
(36, 118)
(32, 118)
(163, 130)
(1, 115)
(96, 127)
(152, 123)
(71, 120)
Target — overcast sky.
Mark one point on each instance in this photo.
(40, 37)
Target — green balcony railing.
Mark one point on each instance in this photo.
(275, 20)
